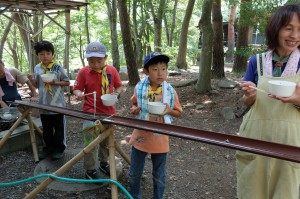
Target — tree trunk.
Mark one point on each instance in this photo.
(23, 33)
(231, 35)
(112, 17)
(128, 49)
(81, 50)
(240, 61)
(250, 34)
(13, 48)
(4, 37)
(167, 29)
(218, 44)
(170, 41)
(87, 32)
(181, 57)
(138, 30)
(204, 82)
(37, 24)
(157, 19)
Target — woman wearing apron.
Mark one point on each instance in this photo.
(272, 118)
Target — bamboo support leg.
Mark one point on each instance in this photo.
(21, 109)
(71, 162)
(32, 138)
(112, 165)
(14, 126)
(37, 128)
(122, 153)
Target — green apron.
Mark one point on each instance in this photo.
(261, 177)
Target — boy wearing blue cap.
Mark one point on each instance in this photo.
(153, 88)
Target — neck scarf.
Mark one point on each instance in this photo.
(104, 80)
(279, 64)
(142, 89)
(48, 69)
(290, 68)
(152, 93)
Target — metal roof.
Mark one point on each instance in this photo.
(38, 5)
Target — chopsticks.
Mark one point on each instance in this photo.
(258, 89)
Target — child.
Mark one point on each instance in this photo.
(100, 77)
(51, 93)
(152, 88)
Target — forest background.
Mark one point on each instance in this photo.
(190, 32)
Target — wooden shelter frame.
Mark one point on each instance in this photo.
(46, 8)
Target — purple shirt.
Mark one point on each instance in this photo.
(251, 73)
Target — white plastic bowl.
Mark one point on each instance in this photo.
(9, 113)
(156, 108)
(282, 88)
(109, 99)
(47, 77)
(7, 116)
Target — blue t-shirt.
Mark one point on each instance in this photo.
(251, 73)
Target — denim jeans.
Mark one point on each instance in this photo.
(158, 173)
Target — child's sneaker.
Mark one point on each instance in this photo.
(104, 167)
(92, 174)
(43, 155)
(57, 155)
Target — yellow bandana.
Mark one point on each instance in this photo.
(47, 70)
(104, 81)
(152, 93)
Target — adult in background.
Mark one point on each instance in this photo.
(9, 77)
(272, 118)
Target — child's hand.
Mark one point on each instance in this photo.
(168, 110)
(135, 109)
(116, 94)
(79, 95)
(30, 76)
(34, 99)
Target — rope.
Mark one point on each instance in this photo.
(7, 184)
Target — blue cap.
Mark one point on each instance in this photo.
(155, 56)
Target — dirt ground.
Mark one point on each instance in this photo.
(194, 170)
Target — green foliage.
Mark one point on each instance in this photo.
(99, 31)
(250, 50)
(257, 12)
(172, 53)
(293, 2)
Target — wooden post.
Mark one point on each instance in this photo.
(67, 47)
(32, 138)
(22, 109)
(112, 165)
(122, 153)
(71, 162)
(14, 126)
(37, 128)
